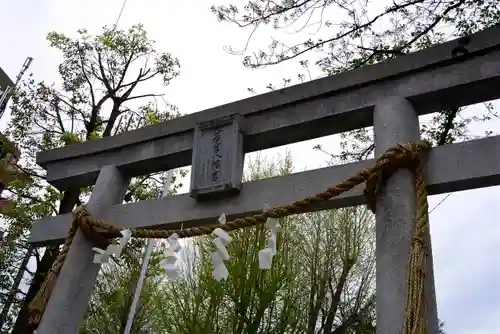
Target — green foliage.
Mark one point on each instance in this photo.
(108, 58)
(69, 138)
(113, 293)
(359, 32)
(94, 99)
(322, 278)
(338, 36)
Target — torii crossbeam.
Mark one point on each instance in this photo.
(389, 96)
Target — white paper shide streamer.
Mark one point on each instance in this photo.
(266, 255)
(220, 255)
(114, 249)
(169, 263)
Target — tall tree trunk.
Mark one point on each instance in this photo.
(115, 112)
(336, 298)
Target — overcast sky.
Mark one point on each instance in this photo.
(465, 227)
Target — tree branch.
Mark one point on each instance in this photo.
(450, 117)
(392, 9)
(142, 78)
(104, 80)
(30, 173)
(261, 18)
(84, 72)
(125, 69)
(58, 113)
(336, 298)
(145, 95)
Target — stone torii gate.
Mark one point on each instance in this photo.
(390, 96)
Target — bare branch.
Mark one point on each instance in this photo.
(356, 28)
(58, 113)
(125, 69)
(104, 79)
(84, 72)
(142, 96)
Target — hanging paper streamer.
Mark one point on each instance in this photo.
(103, 256)
(221, 254)
(169, 263)
(116, 249)
(266, 255)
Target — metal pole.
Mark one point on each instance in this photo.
(15, 286)
(145, 263)
(5, 96)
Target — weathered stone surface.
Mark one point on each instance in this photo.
(431, 79)
(71, 294)
(217, 163)
(395, 121)
(475, 164)
(389, 96)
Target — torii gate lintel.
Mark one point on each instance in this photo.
(388, 96)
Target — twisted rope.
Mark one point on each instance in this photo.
(400, 156)
(416, 306)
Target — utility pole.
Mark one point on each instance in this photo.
(145, 263)
(4, 98)
(15, 286)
